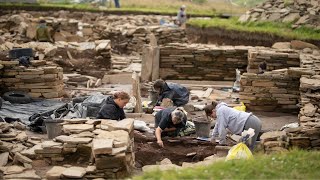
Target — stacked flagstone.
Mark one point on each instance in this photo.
(272, 91)
(274, 58)
(274, 141)
(110, 144)
(39, 80)
(132, 39)
(310, 112)
(202, 62)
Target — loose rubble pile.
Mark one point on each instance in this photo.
(39, 80)
(202, 62)
(274, 141)
(275, 59)
(13, 141)
(299, 12)
(272, 91)
(109, 142)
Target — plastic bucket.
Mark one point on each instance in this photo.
(202, 127)
(53, 127)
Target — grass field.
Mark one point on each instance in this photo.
(196, 7)
(280, 29)
(296, 164)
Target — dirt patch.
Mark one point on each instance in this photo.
(148, 152)
(215, 35)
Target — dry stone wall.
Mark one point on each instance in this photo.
(39, 80)
(132, 39)
(271, 91)
(275, 59)
(202, 62)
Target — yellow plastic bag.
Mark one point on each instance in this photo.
(240, 108)
(239, 151)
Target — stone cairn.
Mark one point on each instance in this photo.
(275, 59)
(110, 145)
(274, 141)
(297, 12)
(272, 91)
(39, 79)
(202, 62)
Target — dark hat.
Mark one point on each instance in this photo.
(42, 21)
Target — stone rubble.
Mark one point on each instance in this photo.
(298, 12)
(274, 141)
(110, 143)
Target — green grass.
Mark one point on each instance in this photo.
(279, 29)
(296, 164)
(198, 7)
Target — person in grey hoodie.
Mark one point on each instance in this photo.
(234, 120)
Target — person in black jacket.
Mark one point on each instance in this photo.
(113, 108)
(175, 92)
(169, 120)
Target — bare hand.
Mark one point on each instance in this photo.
(160, 143)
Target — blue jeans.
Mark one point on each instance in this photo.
(117, 3)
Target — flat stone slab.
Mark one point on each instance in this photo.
(120, 137)
(50, 144)
(21, 158)
(4, 158)
(77, 128)
(29, 174)
(273, 135)
(111, 125)
(102, 146)
(164, 167)
(74, 172)
(75, 121)
(73, 140)
(14, 170)
(55, 172)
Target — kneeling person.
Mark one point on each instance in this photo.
(169, 120)
(113, 108)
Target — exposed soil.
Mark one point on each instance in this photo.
(215, 35)
(148, 152)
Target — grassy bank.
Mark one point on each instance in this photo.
(198, 7)
(279, 29)
(293, 165)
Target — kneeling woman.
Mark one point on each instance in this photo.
(169, 120)
(236, 121)
(113, 108)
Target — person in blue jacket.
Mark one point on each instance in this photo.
(175, 92)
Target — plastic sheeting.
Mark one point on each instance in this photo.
(24, 111)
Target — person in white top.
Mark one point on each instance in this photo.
(182, 16)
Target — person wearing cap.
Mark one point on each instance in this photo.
(182, 16)
(169, 120)
(234, 120)
(42, 33)
(175, 92)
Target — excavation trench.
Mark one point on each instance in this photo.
(178, 150)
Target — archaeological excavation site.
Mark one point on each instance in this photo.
(98, 99)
